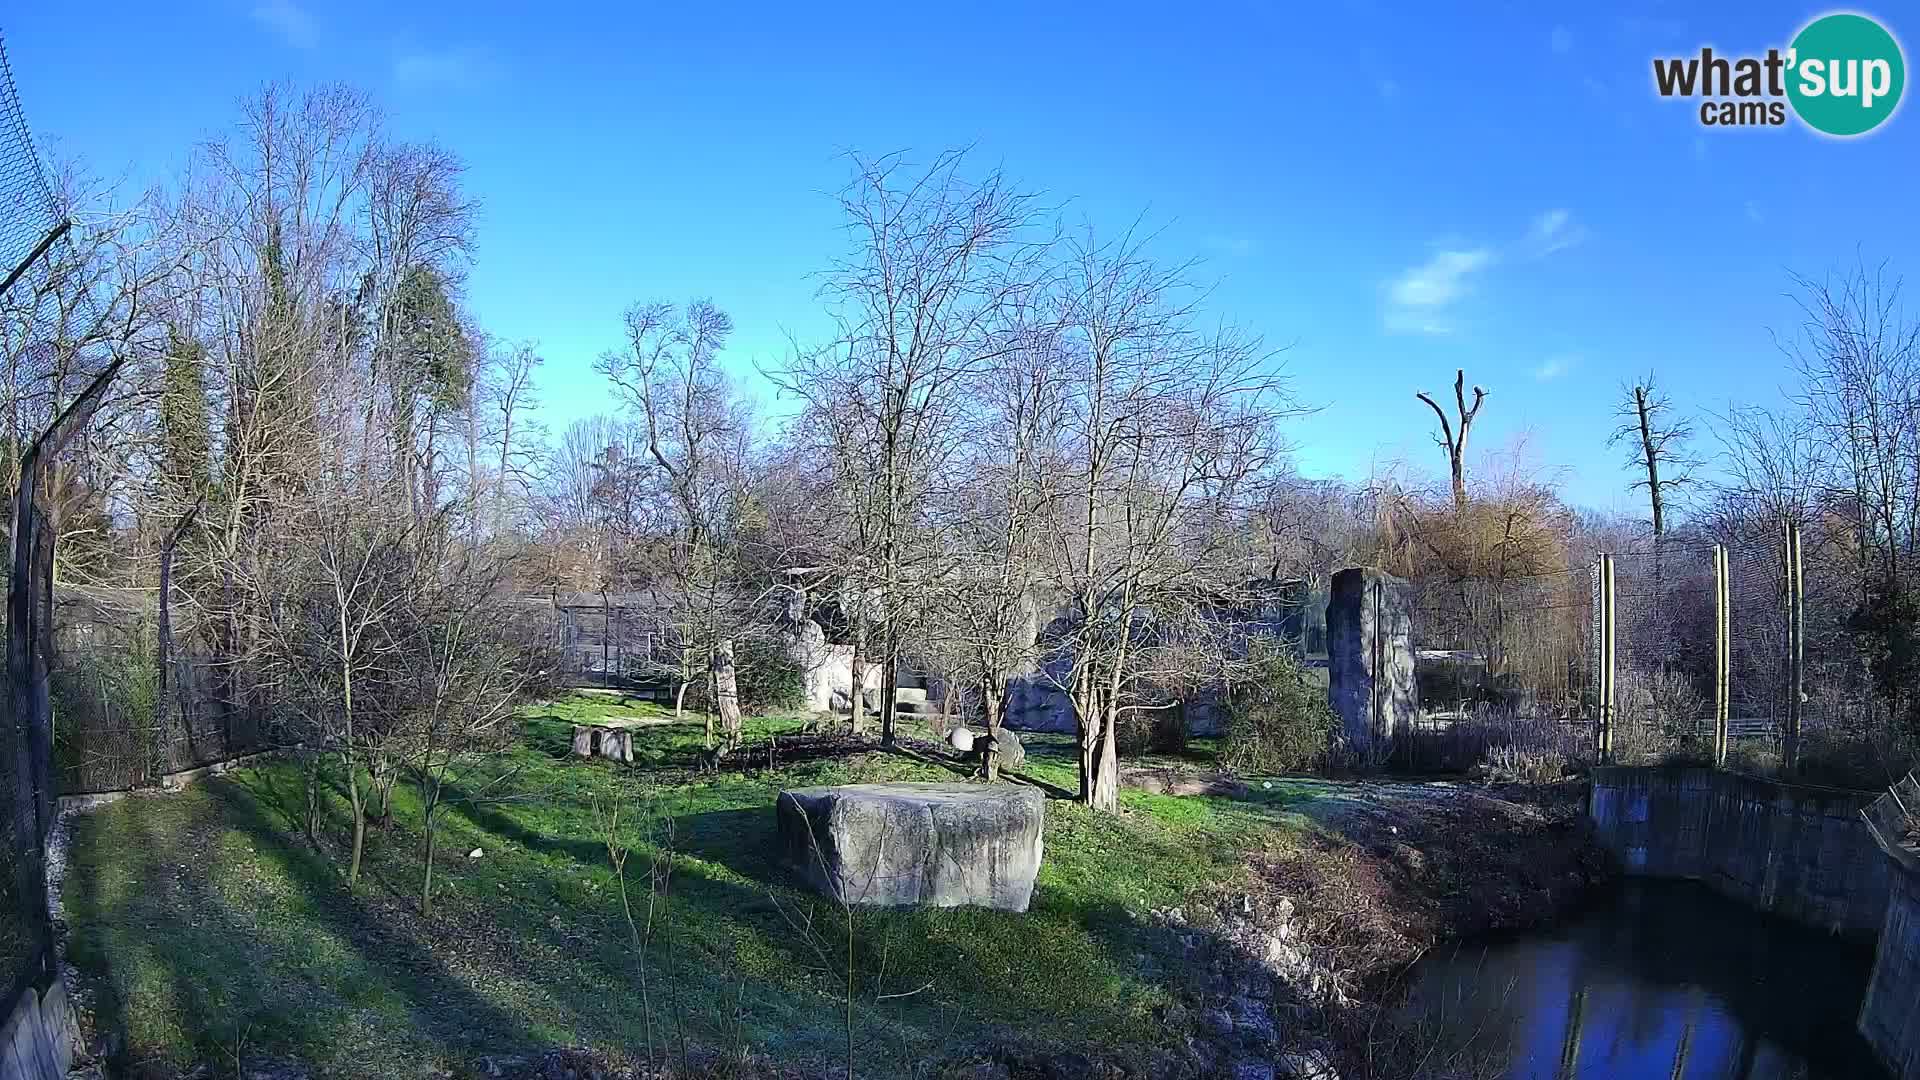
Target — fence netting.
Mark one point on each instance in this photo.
(1664, 648)
(1524, 638)
(1757, 617)
(110, 734)
(1499, 661)
(1495, 656)
(31, 305)
(1840, 703)
(618, 640)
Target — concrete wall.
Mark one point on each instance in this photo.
(37, 1041)
(1890, 1014)
(1370, 671)
(1800, 852)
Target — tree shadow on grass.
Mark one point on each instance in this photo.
(152, 919)
(390, 952)
(736, 955)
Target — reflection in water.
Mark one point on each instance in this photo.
(1663, 980)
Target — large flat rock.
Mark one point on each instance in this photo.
(930, 845)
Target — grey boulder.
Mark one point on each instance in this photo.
(1006, 743)
(927, 845)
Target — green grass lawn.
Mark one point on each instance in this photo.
(207, 927)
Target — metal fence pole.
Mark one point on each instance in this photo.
(1605, 644)
(1722, 656)
(1796, 652)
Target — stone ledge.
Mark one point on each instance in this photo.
(928, 845)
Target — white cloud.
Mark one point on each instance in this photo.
(1553, 367)
(288, 19)
(1231, 243)
(1554, 230)
(460, 67)
(1418, 300)
(1561, 39)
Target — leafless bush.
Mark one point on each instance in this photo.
(1502, 743)
(1523, 765)
(1417, 1045)
(1659, 718)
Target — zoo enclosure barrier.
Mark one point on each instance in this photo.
(1690, 649)
(42, 411)
(1699, 645)
(109, 733)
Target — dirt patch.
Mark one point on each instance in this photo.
(1304, 952)
(1172, 781)
(1385, 880)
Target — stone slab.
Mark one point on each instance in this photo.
(927, 845)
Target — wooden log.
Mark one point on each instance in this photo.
(582, 741)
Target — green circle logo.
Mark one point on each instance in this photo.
(1845, 74)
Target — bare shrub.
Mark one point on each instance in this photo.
(1658, 719)
(1501, 743)
(1523, 765)
(1155, 730)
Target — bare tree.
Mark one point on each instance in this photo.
(1657, 442)
(1453, 444)
(695, 427)
(1166, 428)
(982, 614)
(934, 259)
(502, 434)
(337, 634)
(1858, 358)
(461, 679)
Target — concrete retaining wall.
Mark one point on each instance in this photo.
(1890, 1014)
(37, 1041)
(1799, 852)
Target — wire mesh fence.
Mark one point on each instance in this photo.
(1664, 648)
(1758, 610)
(1525, 638)
(1498, 662)
(1839, 704)
(1636, 658)
(30, 225)
(110, 734)
(619, 640)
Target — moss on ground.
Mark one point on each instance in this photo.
(207, 927)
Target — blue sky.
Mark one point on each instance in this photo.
(1392, 191)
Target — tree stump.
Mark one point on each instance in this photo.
(582, 741)
(617, 745)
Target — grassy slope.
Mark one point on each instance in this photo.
(206, 924)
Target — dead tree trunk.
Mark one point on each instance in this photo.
(1455, 446)
(1649, 453)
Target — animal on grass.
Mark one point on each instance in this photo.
(973, 748)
